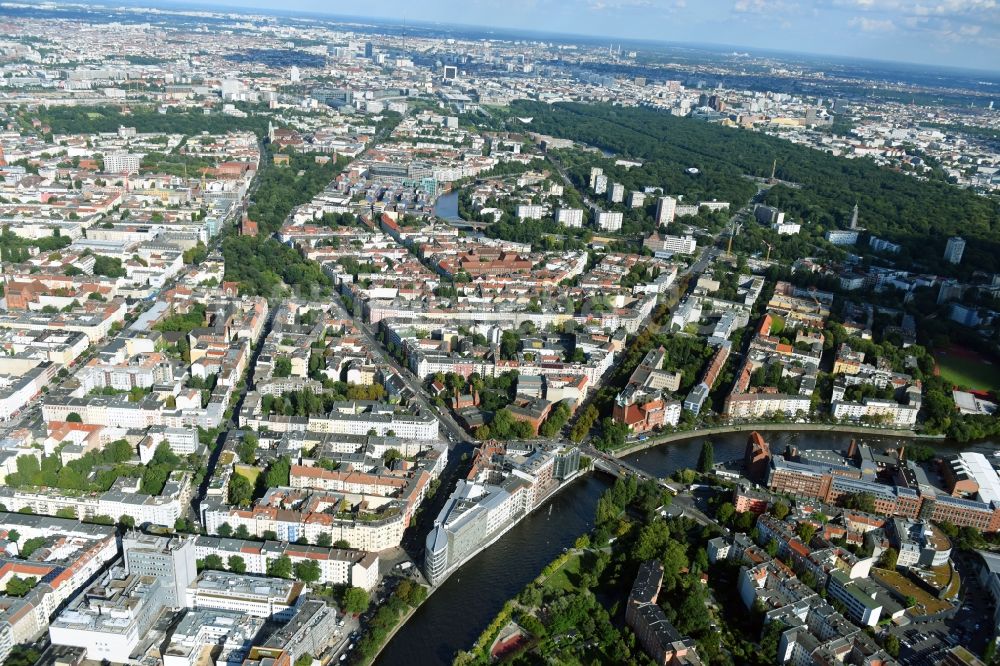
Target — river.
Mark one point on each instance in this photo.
(446, 207)
(454, 616)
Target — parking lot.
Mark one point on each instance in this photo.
(347, 635)
(921, 644)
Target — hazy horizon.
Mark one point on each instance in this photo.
(953, 33)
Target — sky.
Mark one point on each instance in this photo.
(960, 33)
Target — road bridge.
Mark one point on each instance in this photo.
(621, 469)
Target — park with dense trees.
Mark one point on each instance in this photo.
(916, 214)
(573, 612)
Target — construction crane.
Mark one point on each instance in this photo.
(769, 248)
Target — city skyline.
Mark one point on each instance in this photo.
(955, 33)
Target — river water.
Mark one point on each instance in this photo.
(446, 207)
(454, 616)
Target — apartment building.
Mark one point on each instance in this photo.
(338, 566)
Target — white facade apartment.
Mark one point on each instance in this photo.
(18, 391)
(122, 162)
(376, 535)
(600, 184)
(842, 236)
(530, 212)
(666, 207)
(752, 405)
(954, 249)
(672, 244)
(786, 228)
(569, 217)
(892, 412)
(609, 220)
(594, 173)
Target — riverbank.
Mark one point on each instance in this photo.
(832, 428)
(395, 630)
(431, 589)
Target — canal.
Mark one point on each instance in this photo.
(454, 616)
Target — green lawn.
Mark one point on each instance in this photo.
(969, 372)
(251, 473)
(566, 577)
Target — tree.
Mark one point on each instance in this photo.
(31, 545)
(806, 531)
(108, 266)
(13, 536)
(278, 473)
(889, 558)
(242, 532)
(411, 592)
(73, 417)
(892, 646)
(859, 502)
(725, 512)
(237, 564)
(240, 490)
(307, 571)
(225, 530)
(341, 543)
(780, 510)
(282, 366)
(355, 601)
(247, 449)
(213, 562)
(280, 567)
(674, 561)
(706, 459)
(391, 456)
(18, 587)
(66, 512)
(304, 659)
(324, 540)
(126, 521)
(269, 535)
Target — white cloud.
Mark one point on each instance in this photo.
(752, 6)
(617, 5)
(866, 24)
